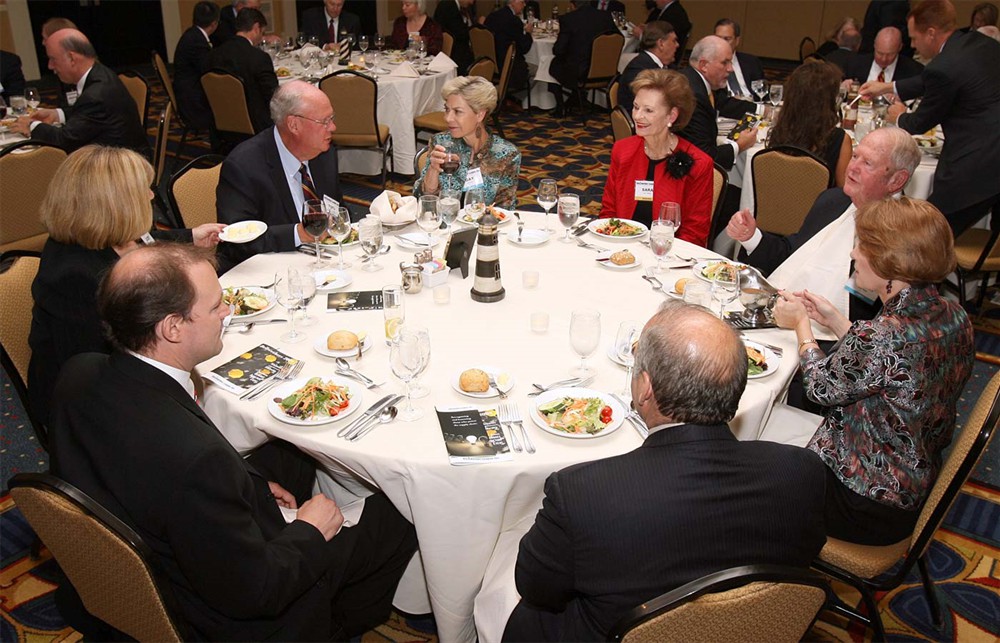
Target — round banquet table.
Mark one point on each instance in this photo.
(540, 56)
(461, 512)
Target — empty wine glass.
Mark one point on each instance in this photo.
(418, 390)
(300, 39)
(33, 98)
(475, 205)
(628, 334)
(569, 211)
(314, 220)
(379, 41)
(289, 295)
(428, 218)
(548, 194)
(370, 237)
(339, 227)
(725, 289)
(363, 43)
(776, 93)
(448, 206)
(313, 40)
(584, 337)
(758, 87)
(308, 286)
(405, 360)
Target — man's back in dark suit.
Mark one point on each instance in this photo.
(644, 60)
(227, 26)
(315, 22)
(190, 62)
(11, 75)
(839, 57)
(678, 19)
(577, 30)
(251, 65)
(858, 66)
(508, 28)
(702, 129)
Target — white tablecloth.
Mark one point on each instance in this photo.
(461, 512)
(540, 56)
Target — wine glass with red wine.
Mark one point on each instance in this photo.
(450, 164)
(314, 220)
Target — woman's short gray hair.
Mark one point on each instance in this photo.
(478, 92)
(421, 5)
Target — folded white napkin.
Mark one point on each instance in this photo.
(442, 62)
(405, 211)
(405, 70)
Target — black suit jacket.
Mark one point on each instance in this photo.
(625, 96)
(314, 23)
(448, 15)
(885, 13)
(961, 92)
(691, 501)
(508, 28)
(839, 57)
(857, 67)
(190, 62)
(132, 438)
(750, 67)
(254, 68)
(613, 5)
(252, 185)
(104, 114)
(577, 30)
(678, 19)
(11, 75)
(227, 26)
(702, 129)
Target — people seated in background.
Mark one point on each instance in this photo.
(49, 27)
(241, 57)
(846, 25)
(708, 73)
(657, 165)
(984, 14)
(227, 20)
(577, 31)
(127, 431)
(746, 67)
(890, 388)
(330, 24)
(270, 176)
(848, 44)
(416, 21)
(817, 257)
(191, 61)
(455, 18)
(657, 49)
(468, 103)
(879, 15)
(11, 76)
(103, 112)
(672, 12)
(96, 209)
(885, 64)
(614, 533)
(507, 28)
(810, 117)
(990, 31)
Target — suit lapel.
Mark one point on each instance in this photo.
(152, 377)
(277, 175)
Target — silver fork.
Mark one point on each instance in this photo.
(590, 246)
(514, 414)
(286, 368)
(504, 413)
(779, 351)
(295, 370)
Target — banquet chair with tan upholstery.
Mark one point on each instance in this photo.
(420, 159)
(108, 563)
(720, 185)
(621, 124)
(502, 86)
(354, 98)
(977, 252)
(26, 169)
(483, 44)
(160, 145)
(771, 603)
(138, 89)
(603, 71)
(807, 49)
(191, 191)
(613, 93)
(168, 87)
(17, 272)
(228, 100)
(447, 43)
(863, 566)
(434, 121)
(786, 182)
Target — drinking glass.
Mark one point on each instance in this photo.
(776, 93)
(308, 289)
(370, 236)
(759, 87)
(569, 211)
(289, 294)
(339, 227)
(307, 61)
(448, 206)
(313, 40)
(314, 221)
(450, 163)
(628, 334)
(379, 41)
(475, 205)
(584, 337)
(19, 105)
(363, 43)
(428, 218)
(290, 44)
(371, 63)
(418, 390)
(661, 239)
(725, 289)
(300, 40)
(548, 194)
(404, 360)
(32, 96)
(393, 312)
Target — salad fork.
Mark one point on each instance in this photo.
(514, 415)
(290, 374)
(503, 414)
(260, 386)
(590, 246)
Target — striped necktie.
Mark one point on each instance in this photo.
(881, 75)
(308, 189)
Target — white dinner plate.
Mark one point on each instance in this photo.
(286, 389)
(617, 411)
(508, 216)
(415, 240)
(327, 280)
(610, 265)
(595, 224)
(320, 347)
(529, 238)
(770, 359)
(266, 293)
(242, 231)
(699, 268)
(504, 380)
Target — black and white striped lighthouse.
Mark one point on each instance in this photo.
(487, 286)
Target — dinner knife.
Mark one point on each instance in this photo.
(257, 322)
(372, 411)
(367, 424)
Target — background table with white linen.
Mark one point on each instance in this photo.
(460, 513)
(540, 56)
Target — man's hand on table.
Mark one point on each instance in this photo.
(305, 237)
(892, 114)
(323, 514)
(875, 88)
(22, 126)
(747, 139)
(742, 226)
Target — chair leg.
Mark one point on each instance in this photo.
(929, 590)
(180, 148)
(878, 630)
(961, 287)
(496, 122)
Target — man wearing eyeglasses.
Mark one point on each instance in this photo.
(270, 176)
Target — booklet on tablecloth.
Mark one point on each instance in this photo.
(355, 300)
(249, 369)
(472, 436)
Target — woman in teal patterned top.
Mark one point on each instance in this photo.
(468, 101)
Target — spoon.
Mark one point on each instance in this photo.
(242, 329)
(344, 368)
(387, 415)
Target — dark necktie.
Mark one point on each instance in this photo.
(331, 32)
(881, 75)
(308, 190)
(734, 84)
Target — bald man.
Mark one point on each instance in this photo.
(103, 113)
(885, 64)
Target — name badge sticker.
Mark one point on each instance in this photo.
(643, 190)
(473, 178)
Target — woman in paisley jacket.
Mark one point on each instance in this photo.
(890, 385)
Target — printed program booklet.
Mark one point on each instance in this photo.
(249, 369)
(472, 436)
(355, 300)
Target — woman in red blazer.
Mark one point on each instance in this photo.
(657, 158)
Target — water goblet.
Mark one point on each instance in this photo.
(405, 360)
(314, 220)
(584, 337)
(661, 240)
(314, 41)
(370, 236)
(569, 211)
(418, 390)
(475, 204)
(308, 286)
(301, 40)
(32, 97)
(339, 227)
(379, 42)
(628, 334)
(449, 204)
(776, 93)
(725, 289)
(758, 87)
(548, 194)
(289, 295)
(363, 43)
(428, 218)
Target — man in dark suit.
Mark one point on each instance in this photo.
(614, 533)
(455, 18)
(610, 5)
(850, 38)
(262, 179)
(881, 14)
(191, 61)
(127, 430)
(657, 49)
(670, 11)
(227, 20)
(507, 28)
(884, 65)
(577, 30)
(104, 112)
(959, 90)
(711, 61)
(11, 76)
(330, 23)
(241, 57)
(746, 67)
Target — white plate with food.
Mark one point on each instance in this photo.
(415, 240)
(761, 360)
(474, 381)
(529, 238)
(929, 144)
(314, 401)
(351, 240)
(248, 301)
(502, 215)
(577, 413)
(620, 260)
(617, 229)
(243, 231)
(708, 270)
(327, 280)
(342, 343)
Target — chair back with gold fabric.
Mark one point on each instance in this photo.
(138, 89)
(613, 94)
(108, 563)
(720, 184)
(191, 191)
(160, 146)
(17, 272)
(484, 68)
(168, 86)
(786, 182)
(807, 47)
(505, 71)
(420, 159)
(354, 97)
(483, 43)
(26, 169)
(228, 101)
(977, 252)
(621, 124)
(604, 54)
(751, 603)
(447, 43)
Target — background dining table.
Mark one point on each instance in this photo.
(462, 512)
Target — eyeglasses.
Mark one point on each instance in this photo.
(326, 122)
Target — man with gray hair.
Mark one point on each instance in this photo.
(103, 113)
(692, 500)
(269, 177)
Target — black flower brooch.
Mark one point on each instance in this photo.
(679, 164)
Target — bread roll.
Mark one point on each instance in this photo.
(342, 340)
(623, 258)
(474, 380)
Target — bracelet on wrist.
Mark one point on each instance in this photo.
(807, 342)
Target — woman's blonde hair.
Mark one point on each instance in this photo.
(673, 86)
(906, 239)
(478, 92)
(99, 198)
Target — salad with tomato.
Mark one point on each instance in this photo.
(577, 414)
